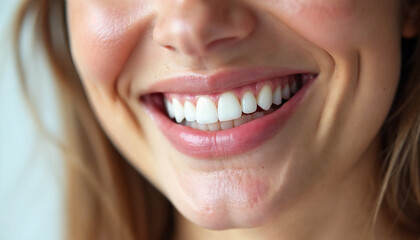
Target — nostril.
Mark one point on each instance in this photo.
(224, 42)
(169, 47)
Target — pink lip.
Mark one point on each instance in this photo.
(221, 81)
(225, 143)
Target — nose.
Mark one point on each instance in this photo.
(197, 27)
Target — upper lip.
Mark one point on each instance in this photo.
(220, 81)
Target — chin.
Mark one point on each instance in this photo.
(225, 199)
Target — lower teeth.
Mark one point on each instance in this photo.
(224, 125)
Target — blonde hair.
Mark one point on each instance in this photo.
(108, 199)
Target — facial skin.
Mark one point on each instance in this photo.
(316, 178)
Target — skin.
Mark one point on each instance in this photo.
(317, 178)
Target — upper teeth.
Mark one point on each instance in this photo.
(229, 107)
(249, 104)
(189, 111)
(206, 111)
(265, 98)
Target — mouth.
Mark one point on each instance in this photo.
(227, 122)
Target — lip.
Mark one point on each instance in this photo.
(224, 143)
(222, 81)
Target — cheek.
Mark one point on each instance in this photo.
(102, 37)
(322, 21)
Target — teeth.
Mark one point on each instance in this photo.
(188, 124)
(230, 111)
(194, 125)
(277, 96)
(249, 103)
(178, 110)
(226, 125)
(242, 120)
(293, 87)
(169, 109)
(257, 115)
(228, 107)
(214, 127)
(286, 92)
(265, 98)
(189, 111)
(203, 127)
(206, 111)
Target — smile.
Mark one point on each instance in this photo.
(229, 122)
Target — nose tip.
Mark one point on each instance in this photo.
(197, 27)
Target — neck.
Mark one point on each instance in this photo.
(327, 212)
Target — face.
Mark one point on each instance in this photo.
(240, 111)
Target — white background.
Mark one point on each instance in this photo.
(31, 174)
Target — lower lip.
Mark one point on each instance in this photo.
(225, 143)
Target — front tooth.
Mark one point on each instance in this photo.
(277, 96)
(206, 111)
(228, 107)
(286, 91)
(265, 98)
(189, 111)
(178, 110)
(249, 103)
(169, 108)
